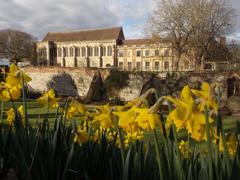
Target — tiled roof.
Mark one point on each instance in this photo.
(85, 35)
(142, 41)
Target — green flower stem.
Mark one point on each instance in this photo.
(121, 146)
(158, 155)
(221, 129)
(209, 143)
(1, 115)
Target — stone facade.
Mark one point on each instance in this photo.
(103, 48)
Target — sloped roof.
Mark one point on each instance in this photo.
(85, 35)
(142, 41)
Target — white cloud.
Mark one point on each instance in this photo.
(41, 16)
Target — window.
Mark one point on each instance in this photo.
(166, 65)
(138, 65)
(96, 51)
(147, 65)
(129, 54)
(208, 66)
(129, 65)
(146, 52)
(138, 53)
(186, 65)
(90, 53)
(83, 51)
(157, 53)
(59, 52)
(65, 52)
(77, 52)
(71, 52)
(156, 65)
(166, 52)
(103, 51)
(120, 53)
(109, 51)
(120, 65)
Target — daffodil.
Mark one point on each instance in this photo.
(49, 99)
(71, 111)
(8, 92)
(127, 119)
(10, 115)
(231, 144)
(187, 116)
(146, 119)
(80, 135)
(206, 95)
(104, 116)
(183, 148)
(15, 77)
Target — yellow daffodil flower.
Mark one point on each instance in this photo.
(206, 95)
(186, 116)
(71, 111)
(10, 116)
(183, 148)
(104, 116)
(231, 144)
(8, 92)
(14, 77)
(80, 135)
(49, 99)
(146, 119)
(127, 120)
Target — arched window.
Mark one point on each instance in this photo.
(103, 51)
(96, 51)
(90, 53)
(77, 51)
(59, 52)
(71, 52)
(83, 51)
(44, 53)
(109, 51)
(65, 52)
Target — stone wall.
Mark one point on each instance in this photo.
(76, 81)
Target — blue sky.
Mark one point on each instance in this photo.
(41, 16)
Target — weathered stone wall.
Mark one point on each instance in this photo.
(76, 81)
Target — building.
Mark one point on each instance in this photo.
(104, 48)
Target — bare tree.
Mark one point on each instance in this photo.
(17, 45)
(190, 24)
(211, 19)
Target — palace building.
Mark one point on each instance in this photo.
(104, 48)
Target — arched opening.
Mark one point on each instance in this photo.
(233, 87)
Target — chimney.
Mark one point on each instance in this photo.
(222, 41)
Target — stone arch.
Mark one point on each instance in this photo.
(233, 85)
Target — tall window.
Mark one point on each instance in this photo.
(129, 65)
(59, 52)
(120, 53)
(156, 65)
(109, 51)
(83, 51)
(90, 53)
(120, 65)
(71, 52)
(147, 65)
(77, 51)
(138, 53)
(103, 51)
(157, 52)
(96, 51)
(65, 52)
(166, 65)
(138, 65)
